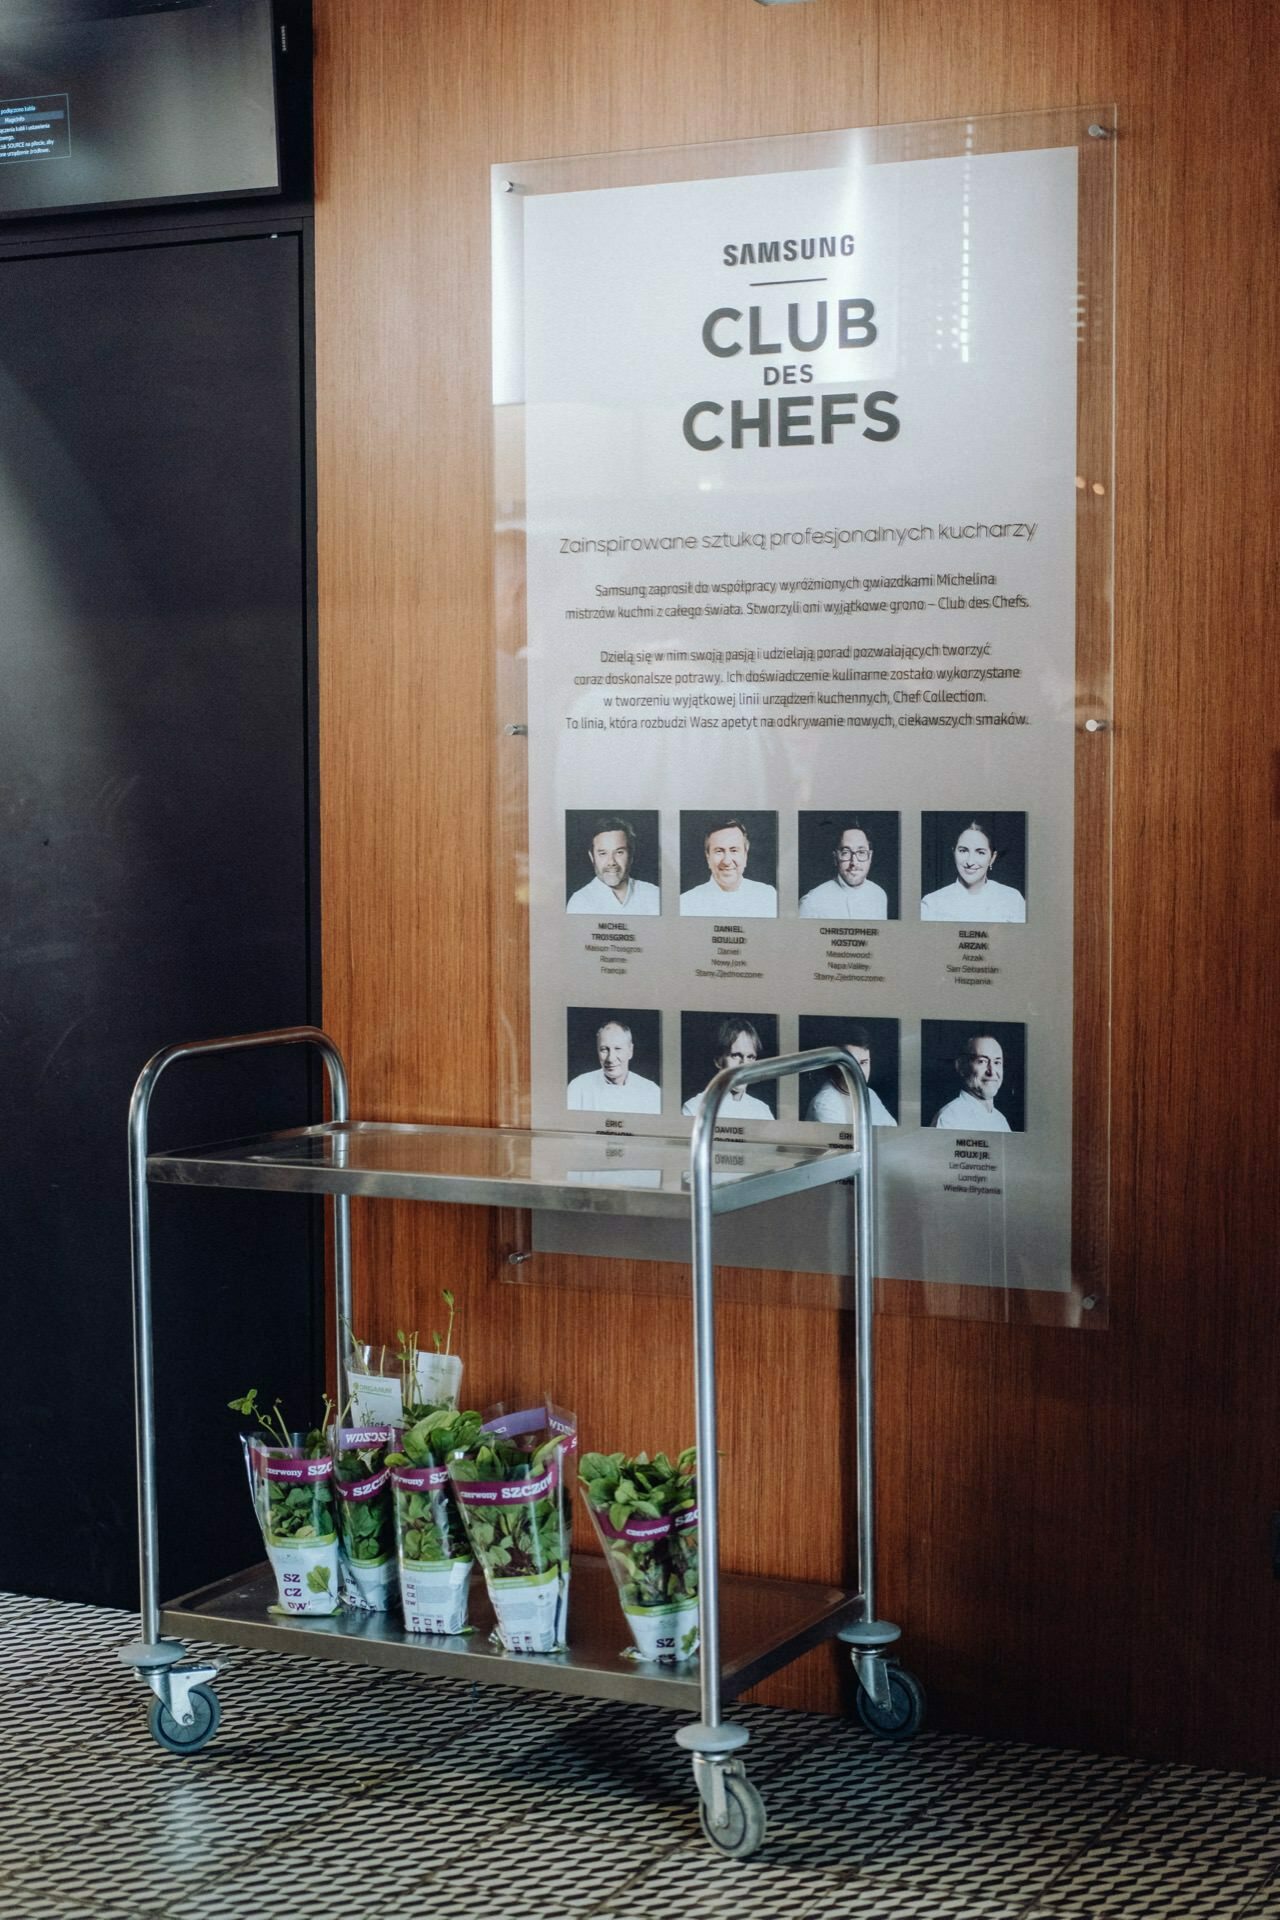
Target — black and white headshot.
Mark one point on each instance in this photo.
(959, 856)
(615, 1060)
(873, 1043)
(729, 865)
(973, 1075)
(711, 1041)
(611, 862)
(848, 866)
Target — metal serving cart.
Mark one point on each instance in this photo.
(749, 1627)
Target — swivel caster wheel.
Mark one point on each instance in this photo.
(170, 1733)
(904, 1715)
(745, 1829)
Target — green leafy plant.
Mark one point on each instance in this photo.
(446, 1345)
(293, 1513)
(367, 1525)
(407, 1354)
(434, 1435)
(299, 1513)
(408, 1348)
(312, 1445)
(522, 1537)
(431, 1528)
(620, 1488)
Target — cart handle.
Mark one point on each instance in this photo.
(140, 1235)
(704, 1358)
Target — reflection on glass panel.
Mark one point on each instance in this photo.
(804, 570)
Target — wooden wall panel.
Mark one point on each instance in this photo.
(1073, 1526)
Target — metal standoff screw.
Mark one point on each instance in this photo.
(518, 1259)
(515, 727)
(513, 186)
(1095, 726)
(1089, 1302)
(1100, 133)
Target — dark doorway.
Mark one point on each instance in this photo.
(156, 875)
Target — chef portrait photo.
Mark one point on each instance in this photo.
(729, 865)
(614, 1060)
(973, 1075)
(611, 862)
(873, 1044)
(848, 865)
(960, 855)
(711, 1041)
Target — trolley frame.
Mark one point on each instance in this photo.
(774, 1621)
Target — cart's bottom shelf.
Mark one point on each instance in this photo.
(765, 1624)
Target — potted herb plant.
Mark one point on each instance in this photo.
(366, 1518)
(291, 1479)
(645, 1513)
(513, 1484)
(434, 1554)
(386, 1382)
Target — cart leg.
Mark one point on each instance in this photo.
(189, 1710)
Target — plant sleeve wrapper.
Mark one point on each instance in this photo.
(293, 1498)
(654, 1563)
(520, 1527)
(366, 1517)
(435, 1559)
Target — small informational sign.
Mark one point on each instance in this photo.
(800, 498)
(35, 129)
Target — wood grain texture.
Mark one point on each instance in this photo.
(1073, 1527)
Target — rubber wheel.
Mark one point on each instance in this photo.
(904, 1715)
(746, 1828)
(174, 1737)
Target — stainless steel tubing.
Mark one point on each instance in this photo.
(704, 1337)
(704, 1392)
(140, 1234)
(864, 1281)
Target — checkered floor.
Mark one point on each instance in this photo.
(339, 1790)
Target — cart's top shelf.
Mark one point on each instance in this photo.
(504, 1167)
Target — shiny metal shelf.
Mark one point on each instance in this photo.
(764, 1625)
(750, 1627)
(505, 1167)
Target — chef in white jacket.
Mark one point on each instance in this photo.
(832, 1104)
(728, 894)
(612, 1087)
(850, 895)
(981, 1071)
(737, 1045)
(612, 887)
(973, 894)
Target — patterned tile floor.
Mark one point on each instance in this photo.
(335, 1790)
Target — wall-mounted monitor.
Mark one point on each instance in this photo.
(127, 102)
